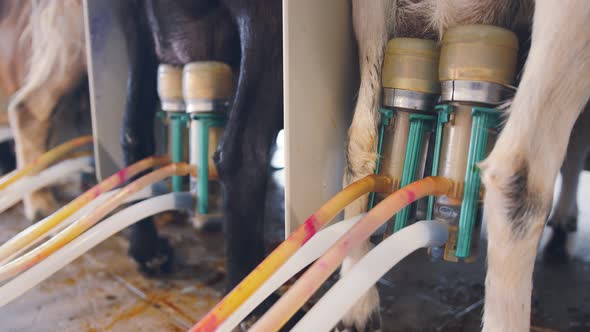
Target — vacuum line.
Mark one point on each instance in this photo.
(88, 240)
(44, 160)
(71, 232)
(312, 279)
(43, 226)
(288, 247)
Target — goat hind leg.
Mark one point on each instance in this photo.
(31, 128)
(153, 253)
(564, 220)
(243, 157)
(520, 172)
(371, 33)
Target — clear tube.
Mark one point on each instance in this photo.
(71, 232)
(53, 174)
(88, 240)
(326, 313)
(43, 226)
(45, 160)
(313, 249)
(312, 279)
(288, 247)
(143, 194)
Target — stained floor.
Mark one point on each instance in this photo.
(418, 295)
(102, 291)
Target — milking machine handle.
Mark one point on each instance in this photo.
(386, 116)
(178, 122)
(483, 120)
(419, 124)
(205, 121)
(444, 115)
(164, 120)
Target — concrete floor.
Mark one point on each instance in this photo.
(102, 291)
(418, 295)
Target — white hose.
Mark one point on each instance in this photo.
(89, 239)
(153, 190)
(310, 251)
(15, 192)
(326, 313)
(5, 134)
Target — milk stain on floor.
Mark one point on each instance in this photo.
(102, 290)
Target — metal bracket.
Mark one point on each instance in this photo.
(204, 122)
(177, 122)
(386, 116)
(483, 120)
(419, 125)
(444, 115)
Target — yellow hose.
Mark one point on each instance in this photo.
(40, 228)
(319, 272)
(64, 237)
(45, 160)
(217, 315)
(77, 154)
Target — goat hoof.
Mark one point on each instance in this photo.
(373, 324)
(168, 217)
(208, 223)
(556, 249)
(153, 260)
(39, 205)
(35, 215)
(566, 224)
(365, 315)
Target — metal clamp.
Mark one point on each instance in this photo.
(202, 105)
(204, 122)
(475, 91)
(483, 120)
(444, 115)
(161, 115)
(419, 124)
(177, 122)
(386, 116)
(410, 100)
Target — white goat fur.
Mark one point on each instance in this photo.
(54, 34)
(554, 88)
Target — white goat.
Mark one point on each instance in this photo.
(50, 50)
(520, 172)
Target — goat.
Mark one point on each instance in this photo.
(520, 172)
(43, 59)
(247, 35)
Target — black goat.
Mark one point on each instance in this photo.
(248, 36)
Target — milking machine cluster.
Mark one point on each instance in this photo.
(473, 74)
(194, 101)
(439, 118)
(410, 92)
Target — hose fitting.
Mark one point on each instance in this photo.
(207, 90)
